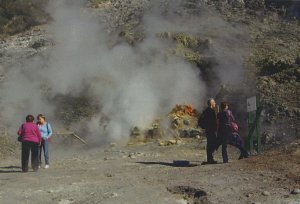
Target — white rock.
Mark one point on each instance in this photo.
(296, 191)
(64, 201)
(266, 193)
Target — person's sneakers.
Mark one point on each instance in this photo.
(47, 166)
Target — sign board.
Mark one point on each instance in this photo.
(251, 104)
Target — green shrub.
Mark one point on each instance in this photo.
(272, 66)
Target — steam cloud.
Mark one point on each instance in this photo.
(132, 86)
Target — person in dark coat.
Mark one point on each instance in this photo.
(208, 121)
(225, 118)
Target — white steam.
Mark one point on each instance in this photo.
(133, 86)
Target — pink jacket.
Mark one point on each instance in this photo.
(30, 132)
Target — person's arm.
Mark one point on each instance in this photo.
(20, 130)
(38, 134)
(218, 120)
(215, 121)
(231, 118)
(49, 130)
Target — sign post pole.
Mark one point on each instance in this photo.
(254, 110)
(258, 135)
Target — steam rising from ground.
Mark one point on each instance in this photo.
(132, 86)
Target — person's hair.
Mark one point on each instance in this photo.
(209, 101)
(223, 105)
(29, 118)
(41, 116)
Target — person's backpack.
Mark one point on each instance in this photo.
(201, 121)
(234, 127)
(49, 138)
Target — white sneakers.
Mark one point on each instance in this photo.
(47, 166)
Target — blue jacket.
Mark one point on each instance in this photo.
(46, 130)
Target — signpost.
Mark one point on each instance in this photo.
(254, 110)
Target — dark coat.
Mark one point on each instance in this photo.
(210, 119)
(225, 118)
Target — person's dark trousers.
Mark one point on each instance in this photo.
(227, 135)
(224, 151)
(238, 142)
(211, 145)
(223, 137)
(243, 152)
(28, 147)
(44, 148)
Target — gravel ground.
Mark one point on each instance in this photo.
(147, 173)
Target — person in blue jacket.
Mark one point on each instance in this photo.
(46, 133)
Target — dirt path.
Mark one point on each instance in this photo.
(147, 174)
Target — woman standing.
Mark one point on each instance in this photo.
(46, 133)
(31, 139)
(226, 134)
(225, 118)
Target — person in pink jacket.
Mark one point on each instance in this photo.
(31, 140)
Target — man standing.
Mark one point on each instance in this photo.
(208, 121)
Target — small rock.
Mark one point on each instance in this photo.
(132, 156)
(296, 191)
(186, 122)
(110, 195)
(248, 195)
(266, 193)
(179, 142)
(162, 143)
(108, 175)
(108, 158)
(198, 136)
(64, 201)
(114, 195)
(172, 141)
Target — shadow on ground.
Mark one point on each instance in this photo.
(175, 163)
(10, 169)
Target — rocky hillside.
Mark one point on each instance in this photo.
(272, 62)
(19, 15)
